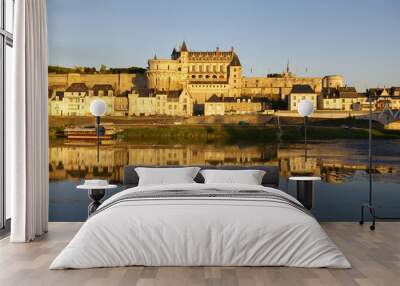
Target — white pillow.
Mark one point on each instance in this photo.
(166, 176)
(248, 177)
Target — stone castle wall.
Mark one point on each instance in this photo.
(120, 82)
(277, 87)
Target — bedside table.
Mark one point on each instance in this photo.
(95, 193)
(305, 189)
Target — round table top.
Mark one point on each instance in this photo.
(305, 178)
(90, 187)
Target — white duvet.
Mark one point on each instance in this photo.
(193, 231)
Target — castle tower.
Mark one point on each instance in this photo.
(174, 54)
(184, 47)
(184, 58)
(162, 74)
(183, 64)
(235, 76)
(332, 81)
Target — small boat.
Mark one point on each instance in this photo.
(89, 132)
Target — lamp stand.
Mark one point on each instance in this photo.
(369, 205)
(305, 138)
(98, 137)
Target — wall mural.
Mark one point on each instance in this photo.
(206, 107)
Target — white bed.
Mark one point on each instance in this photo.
(202, 231)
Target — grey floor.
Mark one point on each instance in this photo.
(375, 257)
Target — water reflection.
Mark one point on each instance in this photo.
(334, 162)
(342, 166)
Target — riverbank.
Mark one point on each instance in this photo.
(226, 134)
(256, 120)
(252, 119)
(162, 130)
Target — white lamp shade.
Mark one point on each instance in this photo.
(98, 107)
(305, 107)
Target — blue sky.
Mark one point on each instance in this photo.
(359, 39)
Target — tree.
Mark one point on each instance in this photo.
(274, 75)
(93, 70)
(89, 70)
(279, 104)
(103, 68)
(80, 69)
(60, 70)
(126, 70)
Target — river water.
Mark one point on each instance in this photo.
(341, 164)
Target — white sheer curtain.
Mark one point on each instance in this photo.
(27, 124)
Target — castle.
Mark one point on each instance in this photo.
(207, 73)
